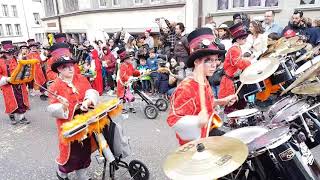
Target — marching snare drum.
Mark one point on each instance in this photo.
(246, 117)
(276, 157)
(279, 105)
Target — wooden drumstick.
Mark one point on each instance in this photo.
(238, 90)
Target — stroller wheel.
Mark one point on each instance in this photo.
(162, 104)
(151, 111)
(138, 170)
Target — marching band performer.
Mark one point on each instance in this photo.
(73, 96)
(125, 73)
(193, 102)
(233, 64)
(15, 96)
(39, 77)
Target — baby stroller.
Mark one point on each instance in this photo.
(151, 110)
(108, 135)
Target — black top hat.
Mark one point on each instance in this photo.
(238, 31)
(7, 46)
(62, 60)
(60, 37)
(123, 54)
(201, 44)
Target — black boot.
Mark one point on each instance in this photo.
(132, 110)
(43, 97)
(61, 178)
(24, 121)
(12, 119)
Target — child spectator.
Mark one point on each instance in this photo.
(109, 65)
(163, 78)
(152, 63)
(145, 78)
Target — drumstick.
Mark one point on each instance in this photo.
(238, 90)
(45, 89)
(201, 81)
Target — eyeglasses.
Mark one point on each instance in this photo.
(211, 60)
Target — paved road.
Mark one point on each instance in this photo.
(28, 152)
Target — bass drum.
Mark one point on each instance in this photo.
(284, 73)
(248, 89)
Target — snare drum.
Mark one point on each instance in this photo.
(245, 117)
(282, 103)
(276, 158)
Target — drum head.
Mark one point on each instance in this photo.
(242, 113)
(279, 105)
(247, 134)
(269, 138)
(290, 112)
(307, 65)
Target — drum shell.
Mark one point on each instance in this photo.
(248, 89)
(286, 164)
(283, 73)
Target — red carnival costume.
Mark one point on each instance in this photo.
(39, 76)
(185, 102)
(126, 71)
(97, 83)
(15, 96)
(73, 156)
(232, 64)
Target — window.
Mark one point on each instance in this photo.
(49, 7)
(1, 30)
(5, 10)
(137, 1)
(154, 1)
(17, 28)
(235, 4)
(36, 17)
(309, 2)
(9, 29)
(103, 2)
(115, 3)
(70, 5)
(14, 11)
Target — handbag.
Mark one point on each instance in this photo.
(128, 96)
(118, 142)
(217, 75)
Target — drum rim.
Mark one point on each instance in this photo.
(292, 99)
(292, 117)
(274, 144)
(247, 115)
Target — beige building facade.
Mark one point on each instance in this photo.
(222, 10)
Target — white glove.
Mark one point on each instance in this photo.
(85, 105)
(8, 79)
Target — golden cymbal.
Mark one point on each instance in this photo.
(309, 73)
(273, 47)
(308, 54)
(259, 71)
(289, 49)
(219, 157)
(307, 89)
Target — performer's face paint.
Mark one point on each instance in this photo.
(66, 70)
(210, 64)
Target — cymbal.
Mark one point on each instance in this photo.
(273, 47)
(290, 49)
(308, 54)
(307, 89)
(309, 73)
(259, 70)
(220, 156)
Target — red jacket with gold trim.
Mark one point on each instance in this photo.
(232, 64)
(10, 103)
(185, 107)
